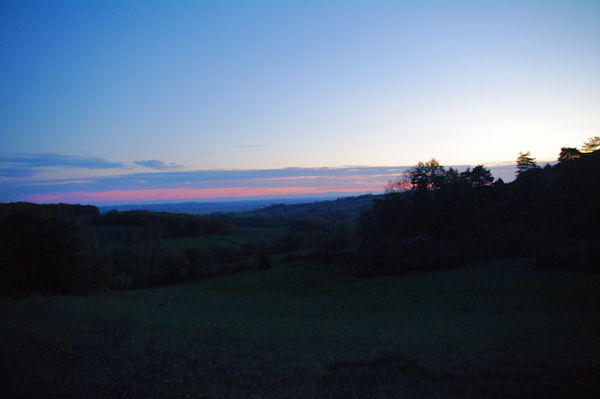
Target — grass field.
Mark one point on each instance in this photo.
(503, 330)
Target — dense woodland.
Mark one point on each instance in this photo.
(64, 248)
(437, 218)
(431, 218)
(168, 224)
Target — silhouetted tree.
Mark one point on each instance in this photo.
(591, 145)
(426, 176)
(551, 214)
(525, 163)
(452, 177)
(478, 177)
(568, 153)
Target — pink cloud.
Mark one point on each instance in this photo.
(186, 193)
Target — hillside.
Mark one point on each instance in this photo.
(346, 208)
(206, 208)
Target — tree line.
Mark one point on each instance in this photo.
(434, 217)
(168, 224)
(54, 248)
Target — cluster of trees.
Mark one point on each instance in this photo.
(431, 175)
(141, 260)
(435, 217)
(168, 224)
(42, 253)
(147, 263)
(74, 213)
(55, 248)
(316, 239)
(74, 249)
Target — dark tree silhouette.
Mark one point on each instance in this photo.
(43, 254)
(425, 176)
(591, 145)
(568, 153)
(478, 177)
(550, 214)
(525, 163)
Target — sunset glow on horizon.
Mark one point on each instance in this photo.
(117, 196)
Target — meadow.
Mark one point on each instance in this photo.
(500, 329)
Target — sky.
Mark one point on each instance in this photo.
(129, 101)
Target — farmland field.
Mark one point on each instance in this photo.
(497, 330)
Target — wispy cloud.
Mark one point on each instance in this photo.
(211, 184)
(12, 172)
(158, 165)
(60, 182)
(202, 185)
(247, 146)
(30, 160)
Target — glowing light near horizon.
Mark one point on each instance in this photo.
(193, 193)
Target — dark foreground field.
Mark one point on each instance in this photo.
(499, 330)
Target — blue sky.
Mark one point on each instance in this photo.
(100, 90)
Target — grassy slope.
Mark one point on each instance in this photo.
(495, 320)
